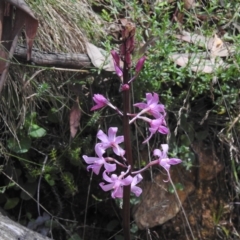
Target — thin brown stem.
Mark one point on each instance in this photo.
(128, 148)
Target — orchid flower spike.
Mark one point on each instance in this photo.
(111, 141)
(151, 107)
(163, 159)
(98, 162)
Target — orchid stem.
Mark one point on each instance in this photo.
(128, 148)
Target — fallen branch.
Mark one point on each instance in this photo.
(10, 230)
(63, 60)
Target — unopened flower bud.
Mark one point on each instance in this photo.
(124, 87)
(140, 64)
(116, 61)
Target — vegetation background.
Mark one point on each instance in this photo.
(193, 63)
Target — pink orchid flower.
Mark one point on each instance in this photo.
(115, 183)
(151, 107)
(98, 162)
(163, 159)
(101, 102)
(111, 140)
(156, 125)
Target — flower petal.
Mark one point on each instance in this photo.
(136, 179)
(107, 178)
(118, 150)
(119, 139)
(165, 164)
(174, 161)
(100, 101)
(106, 187)
(163, 130)
(90, 160)
(136, 190)
(109, 167)
(127, 181)
(95, 167)
(140, 105)
(99, 150)
(165, 150)
(112, 133)
(102, 136)
(152, 98)
(157, 153)
(117, 192)
(98, 106)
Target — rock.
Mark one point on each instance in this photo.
(158, 205)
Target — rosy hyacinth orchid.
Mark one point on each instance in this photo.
(156, 125)
(97, 162)
(111, 141)
(101, 102)
(163, 159)
(151, 107)
(115, 183)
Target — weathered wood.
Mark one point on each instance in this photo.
(62, 60)
(10, 230)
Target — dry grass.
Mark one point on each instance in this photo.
(65, 25)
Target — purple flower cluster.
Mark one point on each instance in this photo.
(116, 183)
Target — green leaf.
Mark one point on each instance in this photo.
(3, 189)
(11, 203)
(49, 179)
(36, 132)
(22, 146)
(178, 186)
(30, 117)
(134, 228)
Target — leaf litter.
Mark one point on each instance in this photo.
(203, 61)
